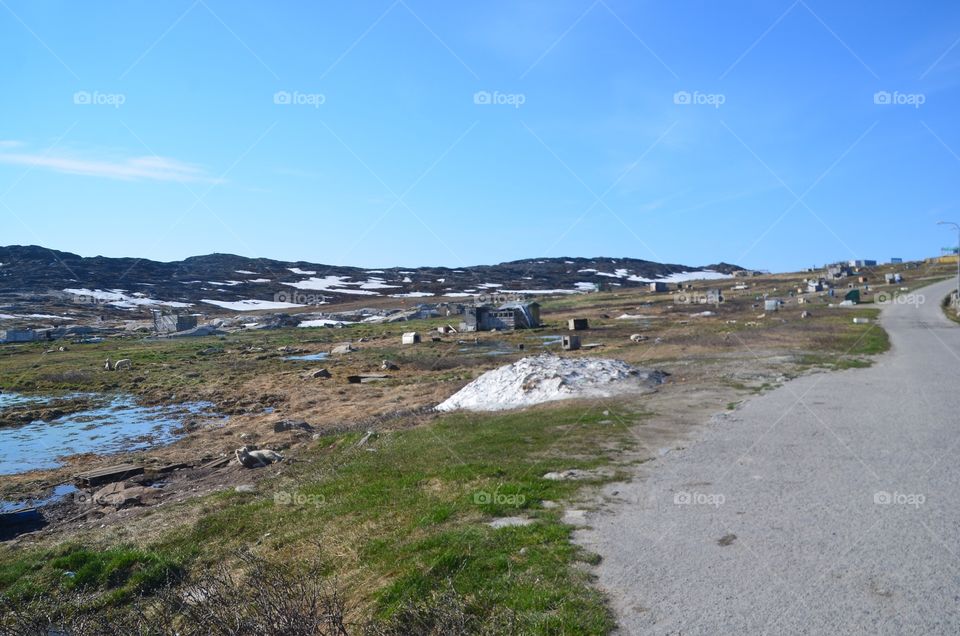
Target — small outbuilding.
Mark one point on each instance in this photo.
(570, 343)
(410, 337)
(172, 323)
(18, 335)
(578, 324)
(513, 315)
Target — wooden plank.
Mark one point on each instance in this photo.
(169, 468)
(108, 474)
(217, 463)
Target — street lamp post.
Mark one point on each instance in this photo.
(958, 258)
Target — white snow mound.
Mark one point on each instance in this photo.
(546, 378)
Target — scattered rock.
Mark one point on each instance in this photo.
(343, 348)
(510, 522)
(726, 540)
(292, 425)
(320, 373)
(576, 474)
(245, 488)
(567, 475)
(369, 435)
(122, 495)
(574, 517)
(387, 365)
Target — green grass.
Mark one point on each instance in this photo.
(849, 346)
(120, 571)
(410, 515)
(949, 311)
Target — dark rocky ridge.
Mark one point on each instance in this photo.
(34, 270)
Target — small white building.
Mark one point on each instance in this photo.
(410, 337)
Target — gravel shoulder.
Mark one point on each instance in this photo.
(824, 506)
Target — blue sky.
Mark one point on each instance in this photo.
(408, 132)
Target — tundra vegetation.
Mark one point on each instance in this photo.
(389, 532)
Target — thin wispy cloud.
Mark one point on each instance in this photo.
(149, 168)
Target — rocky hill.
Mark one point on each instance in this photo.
(239, 283)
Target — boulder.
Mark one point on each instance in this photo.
(343, 348)
(319, 373)
(122, 495)
(292, 425)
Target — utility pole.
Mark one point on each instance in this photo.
(958, 259)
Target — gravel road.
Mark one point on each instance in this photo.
(828, 506)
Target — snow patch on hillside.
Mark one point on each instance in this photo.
(250, 305)
(118, 298)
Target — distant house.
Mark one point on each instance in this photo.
(862, 263)
(658, 287)
(18, 335)
(896, 261)
(513, 315)
(815, 285)
(172, 323)
(451, 309)
(853, 296)
(838, 271)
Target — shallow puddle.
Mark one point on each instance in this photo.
(309, 356)
(114, 425)
(59, 492)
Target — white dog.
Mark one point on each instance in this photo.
(257, 458)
